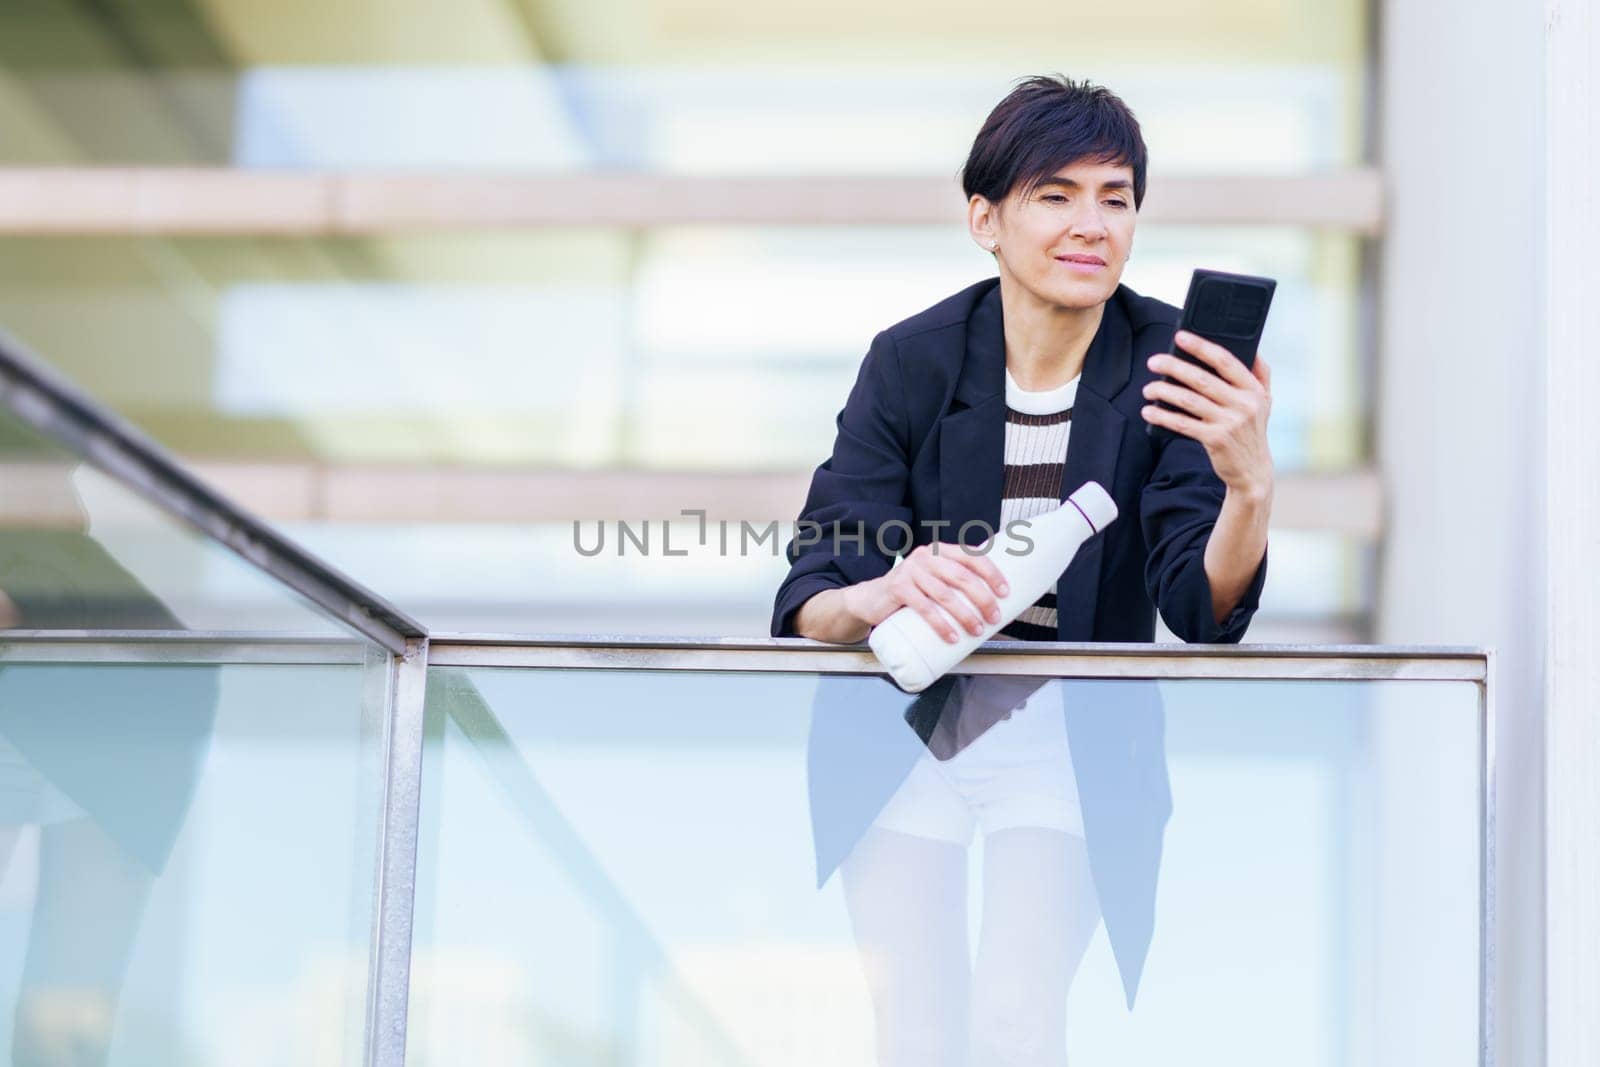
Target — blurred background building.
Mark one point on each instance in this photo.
(424, 284)
(473, 272)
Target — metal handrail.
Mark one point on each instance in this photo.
(1062, 659)
(754, 654)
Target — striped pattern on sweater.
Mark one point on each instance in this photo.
(1035, 458)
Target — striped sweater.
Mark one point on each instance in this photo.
(1038, 425)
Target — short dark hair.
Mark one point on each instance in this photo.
(1047, 123)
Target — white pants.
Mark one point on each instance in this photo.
(1017, 773)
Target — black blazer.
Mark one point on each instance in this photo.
(921, 439)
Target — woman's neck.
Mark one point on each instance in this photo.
(1045, 343)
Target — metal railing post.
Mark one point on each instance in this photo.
(389, 983)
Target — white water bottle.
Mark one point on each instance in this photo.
(913, 652)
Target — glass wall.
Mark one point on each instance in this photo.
(711, 86)
(684, 348)
(420, 360)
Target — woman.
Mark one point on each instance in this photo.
(991, 405)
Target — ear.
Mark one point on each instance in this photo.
(981, 220)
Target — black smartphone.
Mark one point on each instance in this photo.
(1230, 309)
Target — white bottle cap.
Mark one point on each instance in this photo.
(1096, 505)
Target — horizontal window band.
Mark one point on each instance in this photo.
(222, 200)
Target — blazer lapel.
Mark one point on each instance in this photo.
(972, 437)
(1092, 452)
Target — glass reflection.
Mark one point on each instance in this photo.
(187, 859)
(1067, 783)
(999, 762)
(101, 763)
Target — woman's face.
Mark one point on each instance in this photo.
(1067, 239)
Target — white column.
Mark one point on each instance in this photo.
(1572, 529)
(1461, 397)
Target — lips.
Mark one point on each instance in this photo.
(1082, 264)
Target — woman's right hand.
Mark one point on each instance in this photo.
(931, 577)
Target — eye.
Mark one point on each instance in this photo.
(1116, 203)
(1054, 198)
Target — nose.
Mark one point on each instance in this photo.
(1088, 223)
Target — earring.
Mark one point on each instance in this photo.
(994, 246)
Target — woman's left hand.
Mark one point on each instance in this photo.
(1226, 412)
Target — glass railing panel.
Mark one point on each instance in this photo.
(663, 867)
(195, 724)
(187, 842)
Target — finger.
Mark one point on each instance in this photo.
(1187, 399)
(1199, 379)
(988, 571)
(1263, 373)
(918, 601)
(945, 595)
(907, 591)
(975, 589)
(1174, 420)
(1224, 362)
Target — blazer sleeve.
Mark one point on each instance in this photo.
(1177, 509)
(855, 493)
